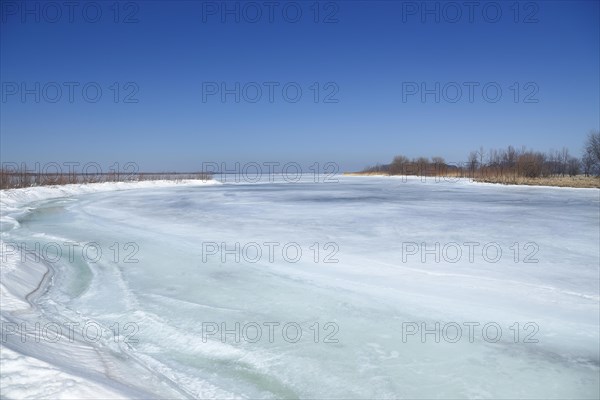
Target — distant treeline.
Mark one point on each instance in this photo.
(11, 178)
(509, 162)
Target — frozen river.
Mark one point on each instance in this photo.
(371, 287)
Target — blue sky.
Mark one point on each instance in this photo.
(366, 61)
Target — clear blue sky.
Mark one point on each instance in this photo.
(370, 52)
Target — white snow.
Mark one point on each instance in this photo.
(70, 368)
(372, 294)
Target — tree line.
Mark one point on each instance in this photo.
(11, 178)
(508, 162)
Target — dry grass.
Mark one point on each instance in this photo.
(365, 173)
(578, 181)
(12, 179)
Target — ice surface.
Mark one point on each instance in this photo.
(375, 292)
(34, 363)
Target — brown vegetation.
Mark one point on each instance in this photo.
(11, 178)
(509, 166)
(578, 181)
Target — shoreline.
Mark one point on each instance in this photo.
(22, 283)
(44, 192)
(14, 204)
(524, 182)
(95, 373)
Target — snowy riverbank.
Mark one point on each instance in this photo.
(392, 288)
(35, 361)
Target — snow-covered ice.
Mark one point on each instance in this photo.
(378, 274)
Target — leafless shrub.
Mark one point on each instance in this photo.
(22, 177)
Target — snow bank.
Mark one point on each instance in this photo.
(11, 199)
(32, 369)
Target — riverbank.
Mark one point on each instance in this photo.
(358, 287)
(39, 357)
(554, 181)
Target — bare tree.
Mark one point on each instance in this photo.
(421, 163)
(592, 151)
(398, 165)
(472, 163)
(587, 162)
(481, 154)
(510, 157)
(574, 166)
(564, 160)
(439, 165)
(530, 164)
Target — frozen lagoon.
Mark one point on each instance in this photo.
(369, 287)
